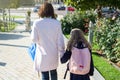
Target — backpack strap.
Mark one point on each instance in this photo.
(66, 71)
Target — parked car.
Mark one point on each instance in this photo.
(70, 8)
(36, 8)
(1, 10)
(107, 12)
(61, 8)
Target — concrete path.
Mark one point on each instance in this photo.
(15, 63)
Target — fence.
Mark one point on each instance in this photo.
(6, 22)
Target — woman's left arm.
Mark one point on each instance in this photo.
(60, 41)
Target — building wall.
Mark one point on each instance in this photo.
(52, 1)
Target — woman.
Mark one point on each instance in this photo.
(47, 34)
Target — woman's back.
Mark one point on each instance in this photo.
(48, 36)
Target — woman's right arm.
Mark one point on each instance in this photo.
(34, 33)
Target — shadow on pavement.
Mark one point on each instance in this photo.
(20, 21)
(2, 64)
(14, 45)
(4, 36)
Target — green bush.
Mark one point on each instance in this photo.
(108, 39)
(7, 26)
(29, 13)
(76, 19)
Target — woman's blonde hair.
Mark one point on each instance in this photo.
(77, 36)
(46, 10)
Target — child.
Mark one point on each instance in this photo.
(78, 41)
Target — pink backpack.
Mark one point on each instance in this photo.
(80, 61)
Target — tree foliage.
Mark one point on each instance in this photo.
(88, 4)
(78, 19)
(108, 39)
(15, 3)
(26, 2)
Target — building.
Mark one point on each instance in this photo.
(52, 1)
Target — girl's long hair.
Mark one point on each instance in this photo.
(77, 36)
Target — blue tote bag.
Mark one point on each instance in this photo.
(32, 51)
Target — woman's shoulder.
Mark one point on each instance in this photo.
(51, 20)
(38, 20)
(47, 20)
(55, 20)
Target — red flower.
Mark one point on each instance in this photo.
(86, 30)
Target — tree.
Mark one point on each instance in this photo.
(91, 4)
(15, 3)
(9, 3)
(26, 2)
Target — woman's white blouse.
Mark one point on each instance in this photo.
(47, 34)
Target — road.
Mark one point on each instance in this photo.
(23, 11)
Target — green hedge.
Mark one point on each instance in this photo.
(108, 39)
(77, 19)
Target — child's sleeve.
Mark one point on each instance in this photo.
(66, 56)
(91, 72)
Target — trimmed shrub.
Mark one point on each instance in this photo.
(76, 19)
(108, 39)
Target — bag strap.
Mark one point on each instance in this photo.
(65, 73)
(38, 74)
(67, 69)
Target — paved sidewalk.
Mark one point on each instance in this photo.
(15, 63)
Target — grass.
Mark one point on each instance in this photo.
(9, 28)
(108, 71)
(10, 25)
(67, 35)
(13, 16)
